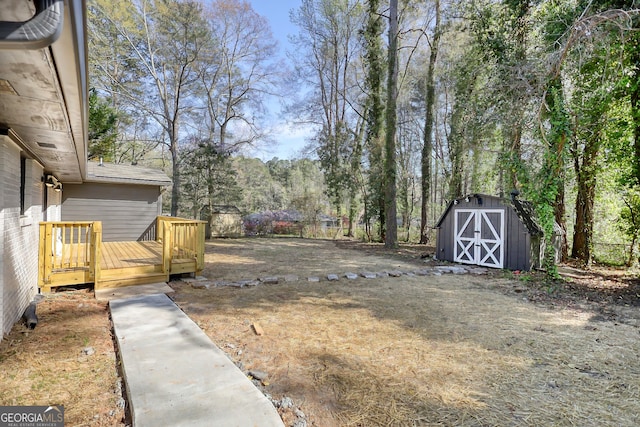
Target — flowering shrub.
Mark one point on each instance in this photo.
(276, 222)
(257, 226)
(284, 227)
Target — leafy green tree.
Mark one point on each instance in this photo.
(630, 221)
(260, 191)
(102, 128)
(209, 179)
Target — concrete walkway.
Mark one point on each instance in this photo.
(175, 375)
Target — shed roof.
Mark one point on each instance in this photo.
(523, 208)
(226, 209)
(111, 173)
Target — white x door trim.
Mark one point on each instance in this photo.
(479, 237)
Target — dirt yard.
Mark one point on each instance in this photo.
(68, 359)
(459, 350)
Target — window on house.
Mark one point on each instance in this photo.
(23, 185)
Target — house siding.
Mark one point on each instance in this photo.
(126, 211)
(18, 233)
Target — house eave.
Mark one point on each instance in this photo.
(44, 95)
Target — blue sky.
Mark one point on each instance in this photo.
(277, 12)
(289, 139)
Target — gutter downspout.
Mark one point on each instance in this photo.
(39, 32)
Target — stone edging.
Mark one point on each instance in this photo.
(202, 282)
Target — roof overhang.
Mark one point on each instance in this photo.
(110, 173)
(44, 89)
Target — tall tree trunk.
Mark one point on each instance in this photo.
(515, 115)
(456, 152)
(635, 101)
(559, 208)
(559, 211)
(391, 237)
(172, 130)
(559, 119)
(374, 63)
(175, 190)
(429, 122)
(586, 183)
(356, 159)
(583, 234)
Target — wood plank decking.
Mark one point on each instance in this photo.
(130, 254)
(130, 263)
(114, 255)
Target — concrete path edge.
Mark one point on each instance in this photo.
(175, 375)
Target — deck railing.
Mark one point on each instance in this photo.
(70, 250)
(182, 239)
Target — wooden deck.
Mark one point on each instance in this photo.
(130, 254)
(73, 253)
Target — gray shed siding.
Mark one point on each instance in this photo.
(517, 238)
(126, 211)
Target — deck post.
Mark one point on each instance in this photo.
(96, 242)
(44, 260)
(167, 245)
(200, 236)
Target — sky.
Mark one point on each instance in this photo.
(289, 139)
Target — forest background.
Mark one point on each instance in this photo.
(412, 104)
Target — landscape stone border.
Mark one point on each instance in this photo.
(202, 282)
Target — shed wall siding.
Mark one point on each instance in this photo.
(18, 234)
(445, 238)
(516, 242)
(126, 211)
(226, 225)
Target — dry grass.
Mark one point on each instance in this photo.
(450, 350)
(47, 366)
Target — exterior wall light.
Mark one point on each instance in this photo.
(52, 182)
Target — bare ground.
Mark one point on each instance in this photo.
(449, 350)
(68, 359)
(501, 349)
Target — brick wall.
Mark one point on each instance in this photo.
(18, 233)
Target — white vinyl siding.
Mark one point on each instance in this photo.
(18, 233)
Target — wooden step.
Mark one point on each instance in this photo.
(143, 279)
(141, 275)
(130, 271)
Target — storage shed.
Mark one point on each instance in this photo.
(490, 231)
(126, 198)
(225, 221)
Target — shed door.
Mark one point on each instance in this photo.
(479, 237)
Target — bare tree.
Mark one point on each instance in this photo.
(391, 236)
(328, 65)
(429, 125)
(163, 42)
(236, 72)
